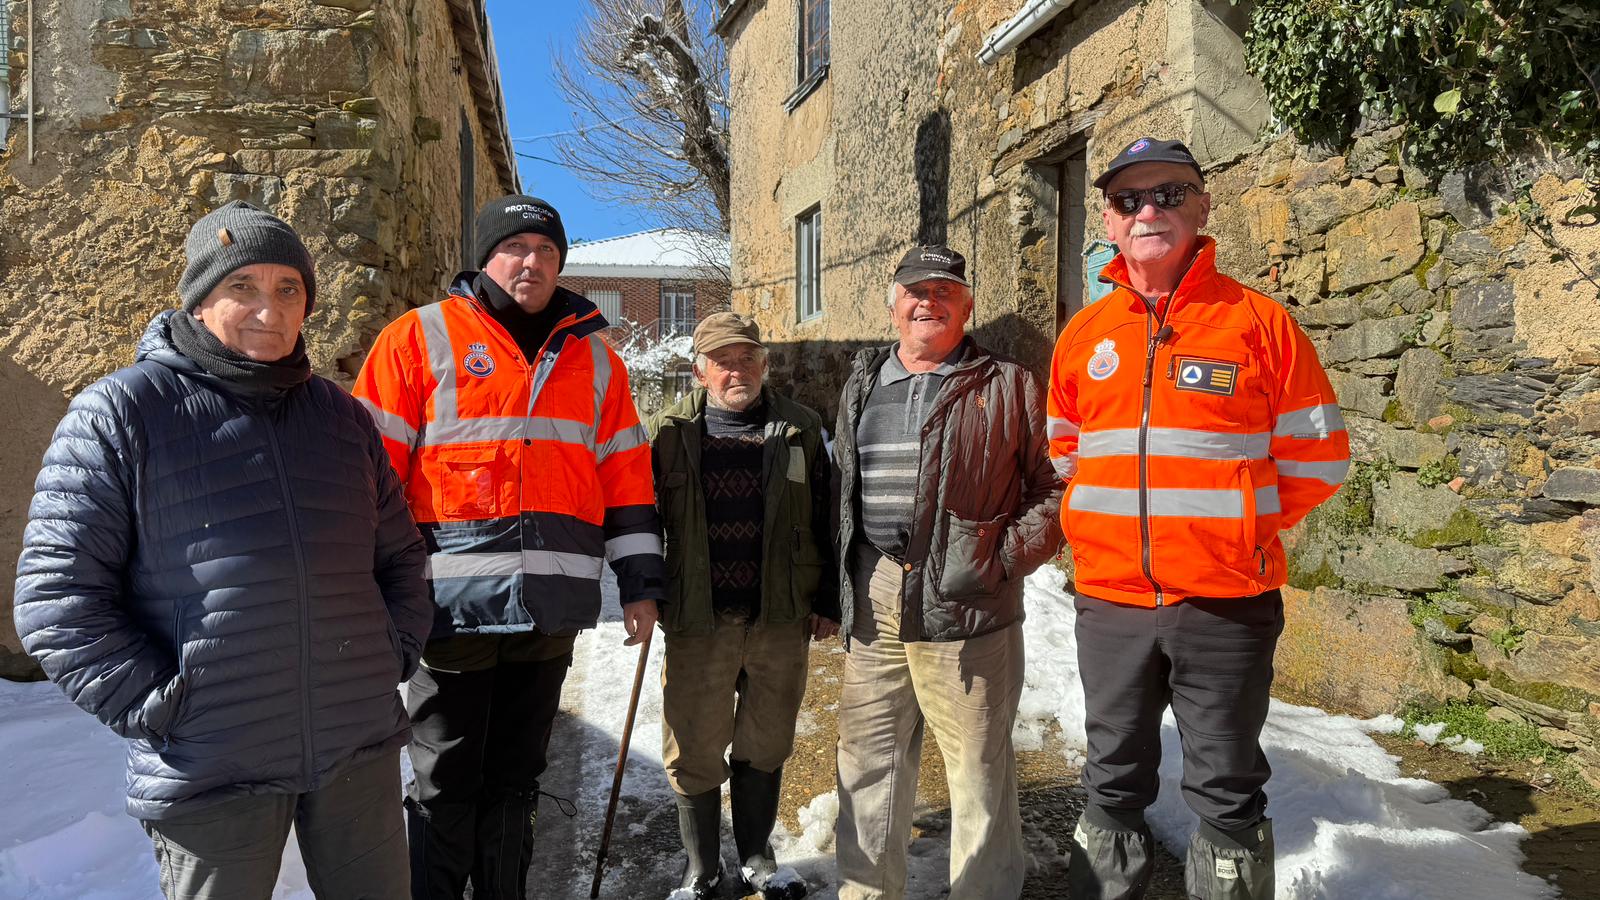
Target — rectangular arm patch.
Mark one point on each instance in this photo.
(1207, 376)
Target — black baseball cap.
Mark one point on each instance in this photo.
(930, 261)
(1145, 150)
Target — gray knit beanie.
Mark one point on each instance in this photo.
(234, 236)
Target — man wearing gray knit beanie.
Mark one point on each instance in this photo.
(221, 568)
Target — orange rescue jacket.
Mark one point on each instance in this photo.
(524, 476)
(1188, 440)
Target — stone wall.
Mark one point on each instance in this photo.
(343, 118)
(910, 139)
(1460, 559)
(1461, 336)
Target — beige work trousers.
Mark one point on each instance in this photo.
(739, 686)
(967, 692)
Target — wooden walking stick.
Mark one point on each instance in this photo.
(622, 762)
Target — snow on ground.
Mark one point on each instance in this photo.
(1347, 825)
(1345, 822)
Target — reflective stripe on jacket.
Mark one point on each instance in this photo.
(525, 476)
(1188, 441)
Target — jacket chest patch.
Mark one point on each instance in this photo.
(1103, 364)
(478, 361)
(1205, 376)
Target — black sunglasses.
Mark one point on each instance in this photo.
(1165, 196)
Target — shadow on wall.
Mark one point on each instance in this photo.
(31, 408)
(814, 372)
(931, 161)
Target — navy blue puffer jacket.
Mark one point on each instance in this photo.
(231, 582)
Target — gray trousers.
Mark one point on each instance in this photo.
(967, 692)
(351, 835)
(1210, 659)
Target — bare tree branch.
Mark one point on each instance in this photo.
(648, 87)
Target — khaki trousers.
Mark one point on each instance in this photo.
(967, 692)
(739, 686)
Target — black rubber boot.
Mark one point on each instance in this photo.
(754, 794)
(505, 845)
(1231, 865)
(700, 824)
(1112, 855)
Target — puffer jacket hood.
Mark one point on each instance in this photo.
(236, 588)
(156, 345)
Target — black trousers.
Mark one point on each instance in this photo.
(1210, 659)
(478, 745)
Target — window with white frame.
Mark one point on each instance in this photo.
(610, 304)
(808, 264)
(677, 308)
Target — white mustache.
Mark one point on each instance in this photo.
(1146, 229)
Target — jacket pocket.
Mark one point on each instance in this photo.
(468, 483)
(972, 565)
(396, 647)
(163, 708)
(805, 571)
(1247, 489)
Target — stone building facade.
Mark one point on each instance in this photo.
(1456, 310)
(374, 128)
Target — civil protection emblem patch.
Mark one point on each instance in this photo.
(1103, 364)
(478, 361)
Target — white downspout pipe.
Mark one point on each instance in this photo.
(1034, 15)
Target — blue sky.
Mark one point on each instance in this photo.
(526, 34)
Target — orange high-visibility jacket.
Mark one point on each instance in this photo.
(1190, 440)
(524, 476)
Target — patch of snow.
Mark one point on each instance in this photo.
(817, 819)
(1429, 733)
(657, 248)
(1345, 822)
(785, 877)
(1384, 724)
(1460, 743)
(66, 832)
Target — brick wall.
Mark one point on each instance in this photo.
(641, 297)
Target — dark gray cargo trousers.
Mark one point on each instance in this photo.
(1210, 659)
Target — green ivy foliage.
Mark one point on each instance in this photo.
(1470, 80)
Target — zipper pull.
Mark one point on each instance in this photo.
(1172, 361)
